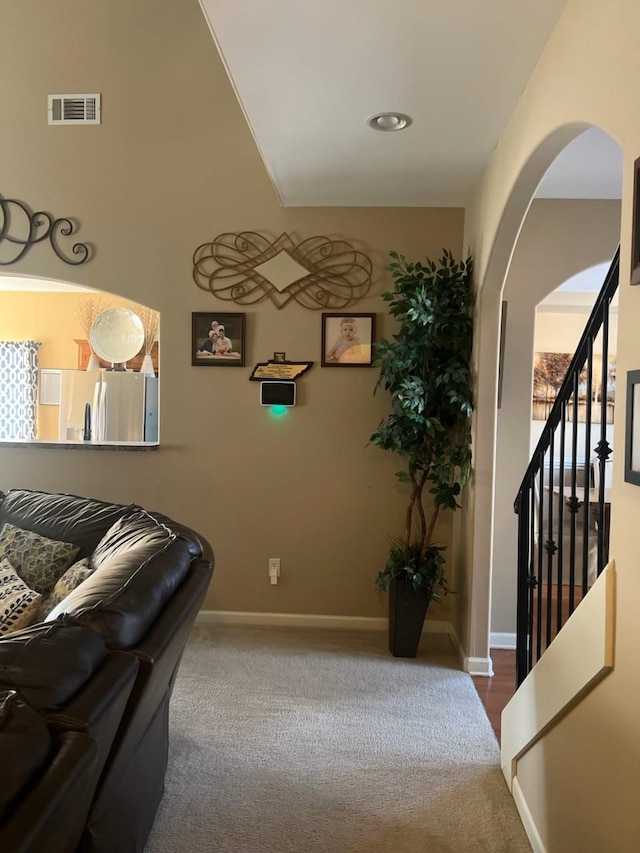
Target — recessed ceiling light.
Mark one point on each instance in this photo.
(389, 121)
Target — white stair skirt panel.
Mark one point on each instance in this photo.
(552, 688)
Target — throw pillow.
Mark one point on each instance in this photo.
(39, 561)
(72, 578)
(18, 604)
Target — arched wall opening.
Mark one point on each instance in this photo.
(58, 315)
(500, 256)
(536, 324)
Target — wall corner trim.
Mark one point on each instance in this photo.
(471, 665)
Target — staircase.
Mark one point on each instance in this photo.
(563, 504)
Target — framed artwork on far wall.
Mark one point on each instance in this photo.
(632, 430)
(217, 339)
(348, 339)
(635, 231)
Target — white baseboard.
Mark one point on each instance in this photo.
(527, 818)
(290, 620)
(309, 620)
(499, 640)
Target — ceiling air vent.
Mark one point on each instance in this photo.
(74, 109)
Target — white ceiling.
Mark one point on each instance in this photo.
(589, 280)
(309, 75)
(589, 167)
(578, 293)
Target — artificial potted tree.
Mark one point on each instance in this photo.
(426, 367)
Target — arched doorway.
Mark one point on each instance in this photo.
(482, 545)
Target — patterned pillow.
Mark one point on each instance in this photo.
(18, 604)
(72, 578)
(38, 561)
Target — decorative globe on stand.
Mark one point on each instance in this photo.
(117, 335)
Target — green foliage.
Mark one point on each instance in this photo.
(426, 368)
(424, 572)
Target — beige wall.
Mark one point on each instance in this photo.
(559, 238)
(560, 331)
(173, 165)
(597, 747)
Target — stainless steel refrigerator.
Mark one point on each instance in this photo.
(123, 405)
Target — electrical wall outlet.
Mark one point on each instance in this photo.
(274, 569)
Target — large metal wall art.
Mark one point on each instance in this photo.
(317, 273)
(20, 230)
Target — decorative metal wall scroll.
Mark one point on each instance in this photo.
(31, 228)
(317, 273)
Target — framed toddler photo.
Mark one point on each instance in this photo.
(348, 339)
(217, 339)
(632, 430)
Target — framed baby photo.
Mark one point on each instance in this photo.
(348, 339)
(217, 339)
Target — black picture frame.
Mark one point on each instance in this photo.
(503, 344)
(632, 430)
(635, 230)
(340, 351)
(205, 332)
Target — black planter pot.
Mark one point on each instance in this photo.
(407, 609)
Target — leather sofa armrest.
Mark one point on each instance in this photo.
(131, 786)
(116, 676)
(25, 745)
(98, 709)
(51, 817)
(49, 663)
(162, 648)
(198, 545)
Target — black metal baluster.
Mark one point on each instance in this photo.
(587, 484)
(603, 450)
(550, 545)
(532, 579)
(561, 519)
(523, 626)
(539, 576)
(573, 503)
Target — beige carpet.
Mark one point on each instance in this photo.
(289, 741)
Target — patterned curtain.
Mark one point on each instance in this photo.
(18, 389)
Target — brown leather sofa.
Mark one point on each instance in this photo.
(98, 673)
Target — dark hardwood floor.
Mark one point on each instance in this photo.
(496, 691)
